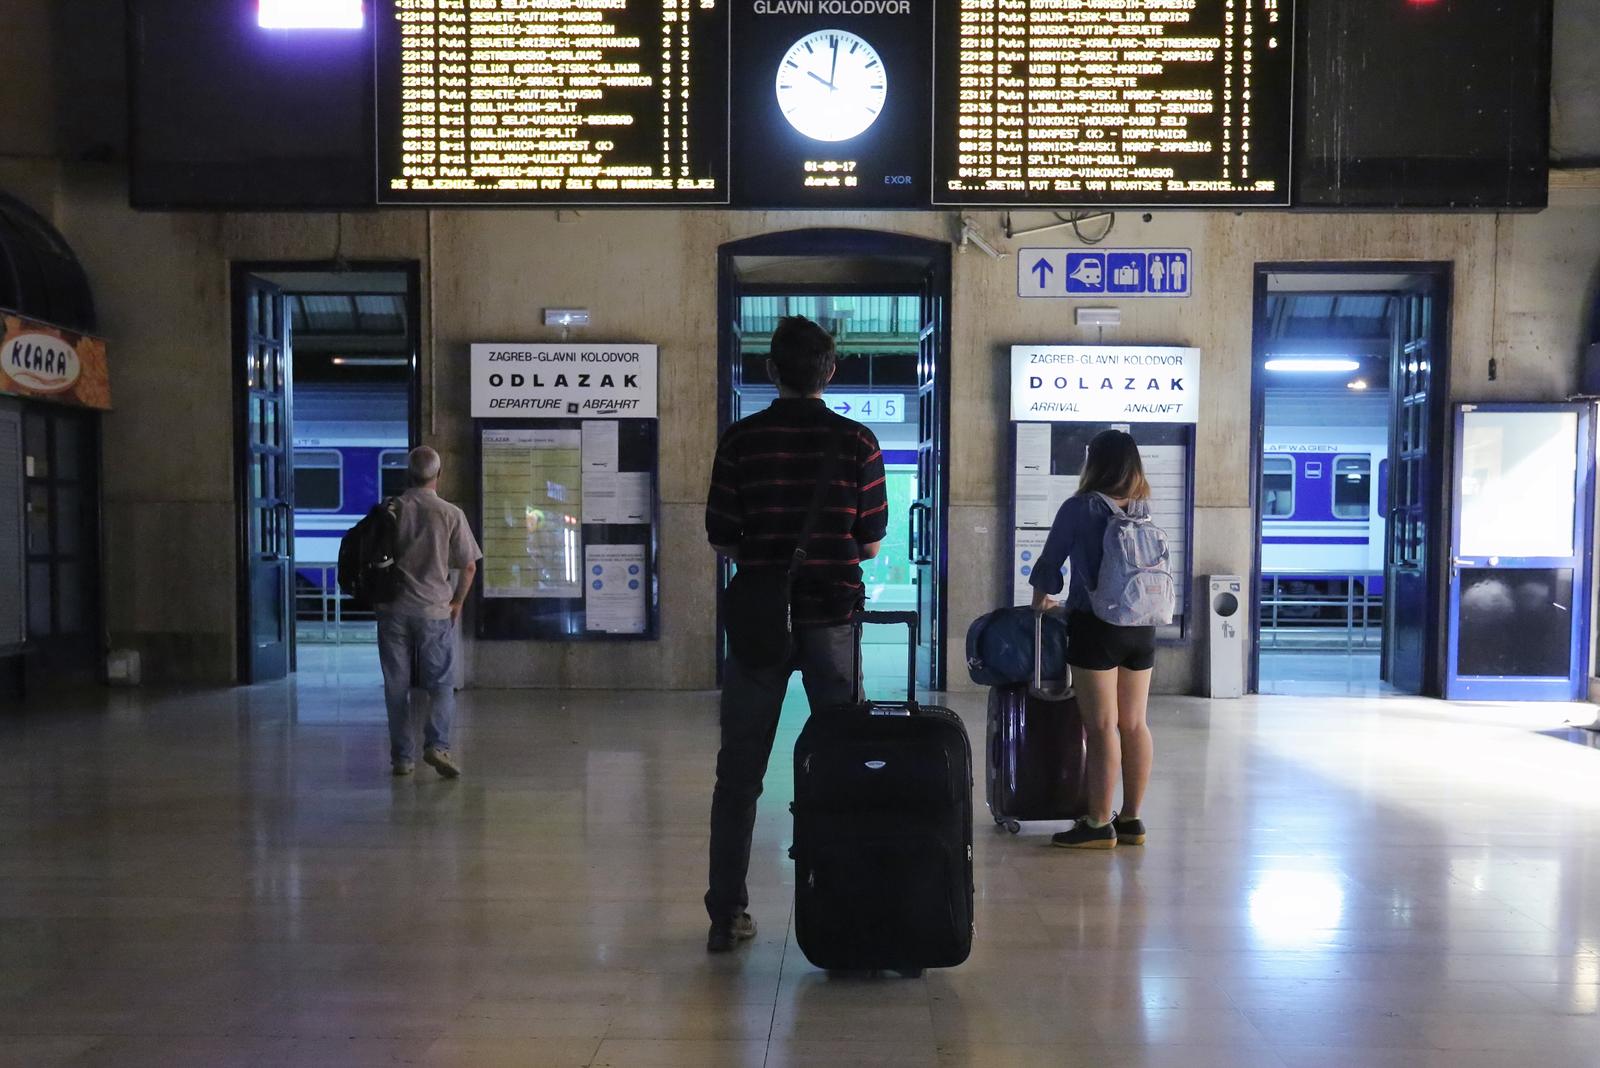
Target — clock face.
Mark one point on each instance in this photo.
(831, 85)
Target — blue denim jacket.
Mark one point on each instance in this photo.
(1077, 537)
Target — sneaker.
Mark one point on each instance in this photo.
(1130, 831)
(724, 936)
(440, 760)
(1083, 836)
(403, 767)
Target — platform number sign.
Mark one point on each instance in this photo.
(869, 407)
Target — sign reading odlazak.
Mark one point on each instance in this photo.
(554, 380)
(1105, 384)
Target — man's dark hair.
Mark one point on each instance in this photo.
(803, 353)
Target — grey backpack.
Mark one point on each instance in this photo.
(1135, 586)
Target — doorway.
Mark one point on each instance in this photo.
(884, 298)
(326, 407)
(1349, 383)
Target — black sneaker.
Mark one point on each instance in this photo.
(1130, 831)
(1083, 836)
(723, 937)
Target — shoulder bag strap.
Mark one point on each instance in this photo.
(830, 461)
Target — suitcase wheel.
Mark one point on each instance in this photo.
(1013, 826)
(911, 973)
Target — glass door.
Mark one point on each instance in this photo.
(1520, 552)
(266, 482)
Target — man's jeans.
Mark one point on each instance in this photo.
(752, 701)
(430, 644)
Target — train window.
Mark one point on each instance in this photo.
(318, 480)
(1352, 487)
(1277, 487)
(392, 479)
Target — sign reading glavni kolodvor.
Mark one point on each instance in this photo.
(1105, 383)
(555, 380)
(48, 362)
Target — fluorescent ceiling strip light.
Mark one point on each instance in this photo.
(311, 15)
(1313, 363)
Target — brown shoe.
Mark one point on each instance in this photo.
(439, 760)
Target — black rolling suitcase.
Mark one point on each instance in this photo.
(1036, 753)
(883, 832)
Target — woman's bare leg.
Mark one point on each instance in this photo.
(1133, 732)
(1097, 702)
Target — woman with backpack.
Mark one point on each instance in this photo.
(1120, 578)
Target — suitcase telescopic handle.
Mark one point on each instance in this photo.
(1060, 691)
(912, 622)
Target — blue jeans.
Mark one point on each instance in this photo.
(430, 645)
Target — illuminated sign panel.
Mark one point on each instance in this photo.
(554, 101)
(1134, 102)
(831, 103)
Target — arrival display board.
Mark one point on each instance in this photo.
(1123, 102)
(1113, 383)
(552, 101)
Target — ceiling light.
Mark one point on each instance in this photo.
(370, 361)
(1313, 363)
(310, 15)
(1356, 384)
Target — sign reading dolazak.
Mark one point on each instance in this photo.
(554, 380)
(1105, 384)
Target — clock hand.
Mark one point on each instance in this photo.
(833, 71)
(818, 77)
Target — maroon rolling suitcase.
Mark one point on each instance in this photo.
(1037, 751)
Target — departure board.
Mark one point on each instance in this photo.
(552, 101)
(1120, 102)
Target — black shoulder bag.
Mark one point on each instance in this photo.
(758, 606)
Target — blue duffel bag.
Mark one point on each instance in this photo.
(1000, 647)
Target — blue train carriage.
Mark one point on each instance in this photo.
(350, 445)
(1322, 514)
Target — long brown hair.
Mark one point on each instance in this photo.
(1113, 467)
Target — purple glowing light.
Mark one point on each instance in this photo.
(311, 15)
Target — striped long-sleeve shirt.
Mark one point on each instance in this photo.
(761, 486)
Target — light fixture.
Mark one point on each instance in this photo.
(566, 317)
(370, 361)
(1357, 384)
(311, 15)
(1313, 363)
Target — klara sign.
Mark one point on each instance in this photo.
(1104, 384)
(47, 362)
(559, 381)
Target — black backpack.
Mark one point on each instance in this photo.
(367, 568)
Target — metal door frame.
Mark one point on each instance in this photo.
(840, 243)
(1528, 688)
(240, 271)
(1442, 274)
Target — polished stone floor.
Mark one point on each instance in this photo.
(229, 878)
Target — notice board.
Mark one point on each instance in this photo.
(569, 509)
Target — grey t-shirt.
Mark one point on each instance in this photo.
(435, 539)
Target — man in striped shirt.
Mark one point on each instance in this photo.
(762, 485)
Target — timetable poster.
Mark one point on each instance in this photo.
(552, 101)
(1121, 102)
(1049, 457)
(532, 513)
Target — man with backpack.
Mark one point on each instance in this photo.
(797, 501)
(417, 624)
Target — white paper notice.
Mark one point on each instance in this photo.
(1033, 448)
(614, 589)
(1040, 497)
(1030, 543)
(599, 471)
(633, 497)
(1167, 469)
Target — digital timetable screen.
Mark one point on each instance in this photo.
(552, 101)
(1133, 102)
